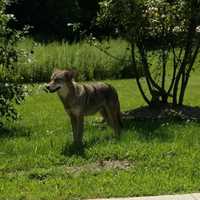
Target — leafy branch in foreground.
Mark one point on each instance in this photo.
(11, 91)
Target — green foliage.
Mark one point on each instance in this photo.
(156, 157)
(11, 91)
(125, 16)
(143, 19)
(158, 27)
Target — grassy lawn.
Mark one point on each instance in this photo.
(151, 158)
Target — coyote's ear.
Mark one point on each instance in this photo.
(56, 69)
(70, 74)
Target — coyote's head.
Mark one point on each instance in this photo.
(60, 79)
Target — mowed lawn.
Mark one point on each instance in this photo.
(36, 161)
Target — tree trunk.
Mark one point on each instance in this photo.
(187, 74)
(164, 62)
(137, 75)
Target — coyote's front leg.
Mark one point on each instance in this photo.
(77, 122)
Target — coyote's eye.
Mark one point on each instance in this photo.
(58, 80)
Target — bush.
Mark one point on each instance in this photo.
(11, 91)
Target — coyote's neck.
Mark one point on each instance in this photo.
(67, 92)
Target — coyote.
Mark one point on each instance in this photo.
(80, 100)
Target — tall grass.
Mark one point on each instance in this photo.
(88, 60)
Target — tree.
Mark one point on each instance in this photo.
(164, 29)
(48, 18)
(11, 91)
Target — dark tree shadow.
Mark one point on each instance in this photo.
(152, 123)
(9, 132)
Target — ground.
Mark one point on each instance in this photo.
(152, 157)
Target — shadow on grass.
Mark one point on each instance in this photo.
(73, 149)
(9, 132)
(150, 129)
(145, 130)
(161, 129)
(153, 123)
(98, 139)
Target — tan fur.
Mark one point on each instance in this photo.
(80, 100)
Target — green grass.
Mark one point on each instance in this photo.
(36, 161)
(90, 62)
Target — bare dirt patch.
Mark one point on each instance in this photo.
(101, 166)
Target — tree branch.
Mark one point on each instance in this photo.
(137, 74)
(187, 73)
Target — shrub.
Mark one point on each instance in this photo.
(11, 91)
